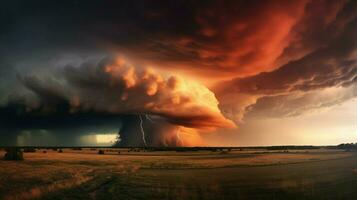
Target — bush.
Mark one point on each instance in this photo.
(224, 152)
(13, 154)
(101, 152)
(44, 151)
(60, 151)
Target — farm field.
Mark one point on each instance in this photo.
(251, 174)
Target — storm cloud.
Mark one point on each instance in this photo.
(333, 65)
(109, 89)
(178, 68)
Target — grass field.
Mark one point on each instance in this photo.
(253, 174)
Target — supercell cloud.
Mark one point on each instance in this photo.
(177, 70)
(117, 88)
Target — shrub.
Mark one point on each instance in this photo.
(60, 151)
(101, 152)
(44, 151)
(224, 152)
(13, 154)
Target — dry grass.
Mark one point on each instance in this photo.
(181, 160)
(40, 175)
(36, 192)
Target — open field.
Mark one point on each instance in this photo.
(251, 174)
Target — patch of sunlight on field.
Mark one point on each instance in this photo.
(184, 160)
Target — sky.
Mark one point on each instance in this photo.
(178, 73)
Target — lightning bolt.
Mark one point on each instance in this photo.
(149, 118)
(142, 130)
(178, 135)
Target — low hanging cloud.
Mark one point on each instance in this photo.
(298, 103)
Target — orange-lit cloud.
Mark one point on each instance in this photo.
(124, 89)
(118, 87)
(333, 65)
(236, 39)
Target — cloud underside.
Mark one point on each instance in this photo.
(322, 78)
(115, 86)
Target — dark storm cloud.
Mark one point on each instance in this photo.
(332, 65)
(76, 24)
(15, 118)
(224, 37)
(221, 36)
(273, 51)
(233, 38)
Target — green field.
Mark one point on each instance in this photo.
(250, 174)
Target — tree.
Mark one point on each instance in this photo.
(13, 153)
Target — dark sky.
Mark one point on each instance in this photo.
(188, 72)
